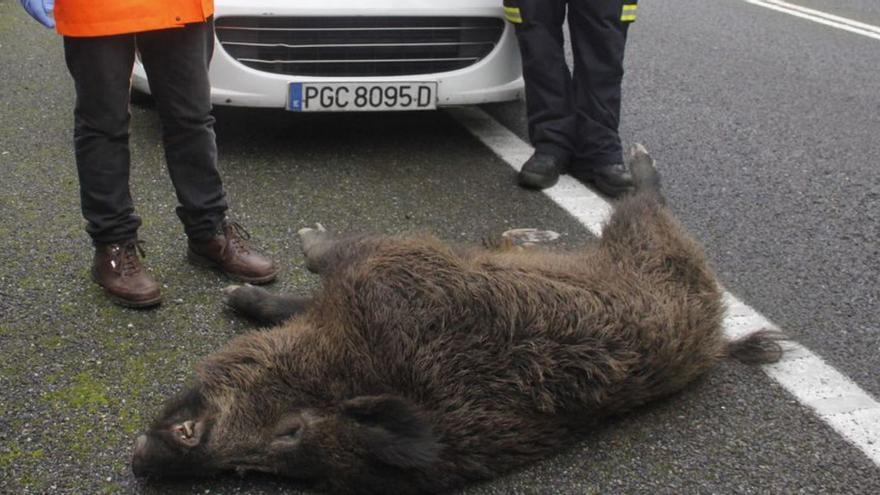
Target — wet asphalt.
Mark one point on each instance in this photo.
(767, 134)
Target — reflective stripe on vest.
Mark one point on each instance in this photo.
(513, 15)
(629, 12)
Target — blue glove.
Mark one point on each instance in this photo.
(41, 10)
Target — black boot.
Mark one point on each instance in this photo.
(613, 180)
(541, 171)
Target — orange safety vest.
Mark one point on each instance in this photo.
(85, 18)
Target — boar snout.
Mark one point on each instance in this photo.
(172, 454)
(138, 461)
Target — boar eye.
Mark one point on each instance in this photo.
(289, 429)
(290, 432)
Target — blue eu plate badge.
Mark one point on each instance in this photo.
(296, 101)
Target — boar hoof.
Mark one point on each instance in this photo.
(643, 168)
(239, 297)
(313, 237)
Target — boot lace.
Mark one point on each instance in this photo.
(125, 260)
(237, 236)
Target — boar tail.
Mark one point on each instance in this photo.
(761, 347)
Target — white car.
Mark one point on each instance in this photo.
(344, 55)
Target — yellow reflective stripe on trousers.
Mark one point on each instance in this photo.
(512, 14)
(629, 12)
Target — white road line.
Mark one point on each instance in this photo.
(838, 22)
(835, 398)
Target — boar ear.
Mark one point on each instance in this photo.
(395, 430)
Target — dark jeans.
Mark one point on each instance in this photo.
(176, 62)
(573, 115)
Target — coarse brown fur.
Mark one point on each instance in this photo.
(419, 367)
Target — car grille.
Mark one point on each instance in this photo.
(358, 46)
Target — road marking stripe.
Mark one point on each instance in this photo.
(836, 399)
(820, 17)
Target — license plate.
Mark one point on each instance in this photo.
(361, 97)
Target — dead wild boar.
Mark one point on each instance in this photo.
(419, 367)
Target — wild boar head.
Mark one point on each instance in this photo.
(249, 412)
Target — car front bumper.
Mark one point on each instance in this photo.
(497, 77)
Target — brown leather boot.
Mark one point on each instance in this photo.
(118, 269)
(229, 252)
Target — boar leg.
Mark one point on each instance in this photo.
(263, 306)
(642, 232)
(641, 228)
(326, 253)
(645, 174)
(317, 244)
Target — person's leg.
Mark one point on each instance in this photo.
(176, 62)
(598, 40)
(547, 77)
(551, 121)
(101, 70)
(598, 34)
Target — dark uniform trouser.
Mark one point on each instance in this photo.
(176, 62)
(573, 116)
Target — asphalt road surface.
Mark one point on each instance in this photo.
(766, 128)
